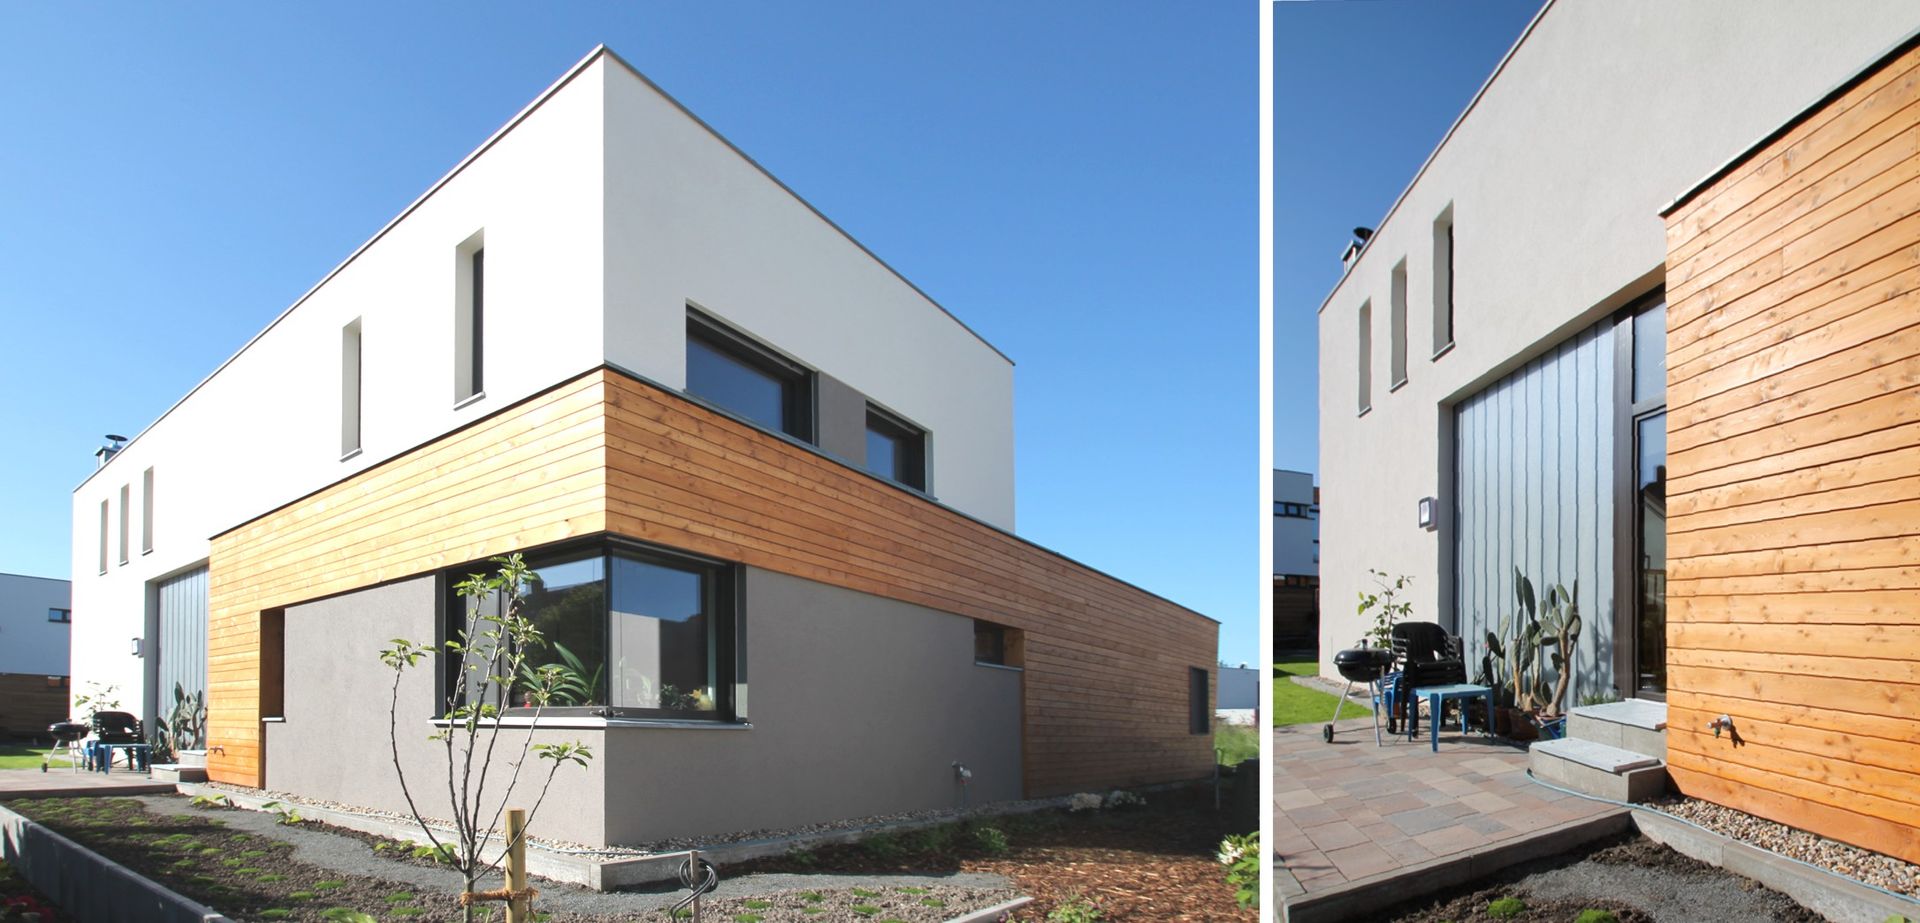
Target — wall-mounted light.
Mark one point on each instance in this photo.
(1429, 513)
(136, 647)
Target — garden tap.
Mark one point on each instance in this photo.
(1722, 723)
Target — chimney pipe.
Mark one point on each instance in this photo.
(106, 452)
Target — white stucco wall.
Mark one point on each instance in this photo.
(264, 429)
(1556, 176)
(691, 220)
(28, 642)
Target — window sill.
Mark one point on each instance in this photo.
(1397, 386)
(1364, 411)
(349, 456)
(1443, 351)
(470, 399)
(273, 719)
(999, 666)
(551, 722)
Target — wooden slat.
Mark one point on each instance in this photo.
(1793, 474)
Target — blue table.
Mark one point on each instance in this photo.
(99, 756)
(1438, 696)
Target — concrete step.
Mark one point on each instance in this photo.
(1598, 769)
(176, 772)
(194, 758)
(1635, 724)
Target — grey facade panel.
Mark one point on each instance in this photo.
(180, 649)
(1534, 490)
(842, 419)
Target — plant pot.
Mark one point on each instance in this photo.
(1520, 725)
(1503, 722)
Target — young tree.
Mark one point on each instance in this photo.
(491, 674)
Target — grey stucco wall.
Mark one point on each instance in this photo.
(860, 706)
(333, 744)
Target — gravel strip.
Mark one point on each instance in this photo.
(677, 844)
(1850, 861)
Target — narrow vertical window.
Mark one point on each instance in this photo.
(1199, 716)
(1366, 357)
(1397, 334)
(1443, 282)
(469, 321)
(146, 511)
(103, 536)
(126, 515)
(350, 389)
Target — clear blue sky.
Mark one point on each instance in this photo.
(1363, 91)
(1077, 181)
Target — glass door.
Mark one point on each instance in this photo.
(1650, 555)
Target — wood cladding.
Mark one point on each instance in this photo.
(1793, 545)
(1106, 664)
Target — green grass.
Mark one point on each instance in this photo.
(1235, 742)
(19, 756)
(1295, 704)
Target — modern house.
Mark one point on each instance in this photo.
(36, 617)
(1239, 694)
(1701, 410)
(1296, 562)
(767, 485)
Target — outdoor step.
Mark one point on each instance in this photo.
(1597, 769)
(175, 772)
(194, 758)
(1636, 724)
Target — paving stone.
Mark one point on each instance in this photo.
(1335, 835)
(1451, 839)
(1313, 816)
(1414, 823)
(1362, 860)
(1486, 825)
(1487, 802)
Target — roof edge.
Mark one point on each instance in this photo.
(1471, 103)
(1840, 89)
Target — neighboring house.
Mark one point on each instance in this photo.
(1706, 423)
(36, 617)
(1296, 562)
(1239, 700)
(736, 446)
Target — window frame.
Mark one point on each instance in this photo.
(1365, 357)
(910, 437)
(724, 591)
(58, 615)
(800, 390)
(1199, 704)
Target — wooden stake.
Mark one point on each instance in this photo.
(519, 909)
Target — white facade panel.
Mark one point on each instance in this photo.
(30, 642)
(1555, 177)
(1296, 539)
(689, 220)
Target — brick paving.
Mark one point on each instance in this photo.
(1349, 810)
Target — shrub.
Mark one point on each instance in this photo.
(1596, 916)
(1505, 908)
(1085, 801)
(1241, 855)
(1075, 910)
(992, 841)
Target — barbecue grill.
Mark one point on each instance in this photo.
(1361, 665)
(65, 734)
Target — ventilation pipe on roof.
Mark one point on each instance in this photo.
(1359, 243)
(106, 452)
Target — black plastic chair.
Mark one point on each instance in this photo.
(117, 730)
(1428, 656)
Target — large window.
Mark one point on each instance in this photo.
(896, 449)
(635, 632)
(732, 372)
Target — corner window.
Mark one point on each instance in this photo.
(1199, 715)
(635, 632)
(59, 615)
(896, 449)
(732, 372)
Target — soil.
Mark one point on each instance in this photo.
(1157, 862)
(1635, 879)
(18, 898)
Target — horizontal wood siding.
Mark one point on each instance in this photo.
(1106, 664)
(526, 476)
(1106, 680)
(1793, 358)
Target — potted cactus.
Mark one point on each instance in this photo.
(1537, 637)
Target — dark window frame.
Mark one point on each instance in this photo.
(725, 593)
(797, 380)
(1199, 708)
(476, 341)
(63, 616)
(1627, 525)
(911, 440)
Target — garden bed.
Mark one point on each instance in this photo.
(17, 897)
(1154, 862)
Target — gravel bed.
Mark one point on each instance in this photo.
(677, 844)
(1850, 861)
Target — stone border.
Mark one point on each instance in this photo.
(1829, 894)
(994, 913)
(87, 885)
(1355, 899)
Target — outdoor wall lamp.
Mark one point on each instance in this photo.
(136, 647)
(1429, 513)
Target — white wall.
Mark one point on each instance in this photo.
(1294, 550)
(690, 220)
(1605, 112)
(28, 642)
(264, 430)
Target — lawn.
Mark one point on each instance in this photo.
(19, 756)
(1296, 704)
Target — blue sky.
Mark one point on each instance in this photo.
(1363, 91)
(1077, 181)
